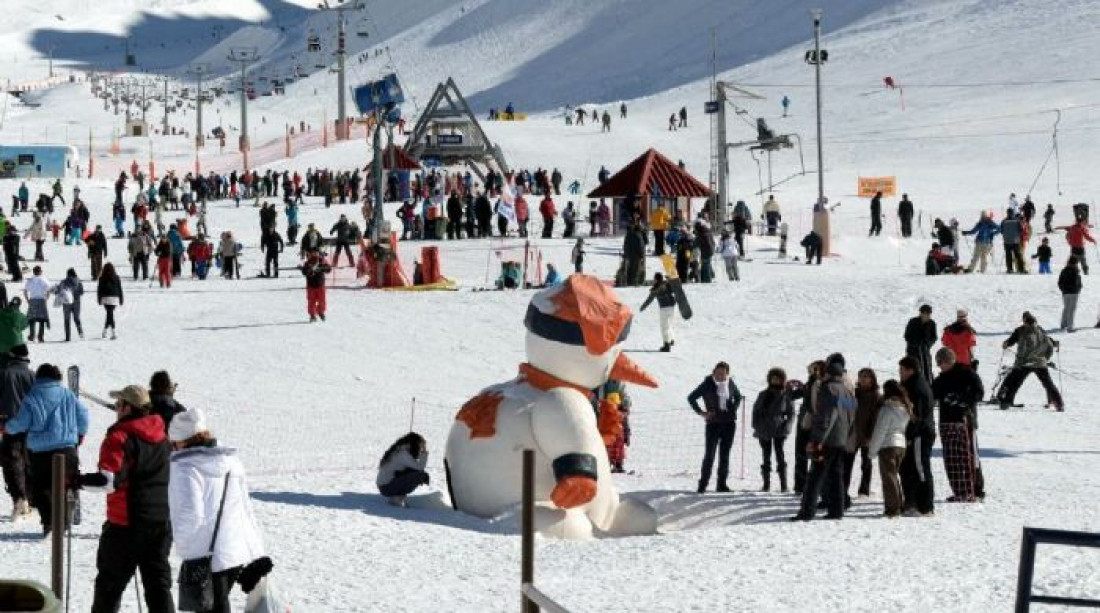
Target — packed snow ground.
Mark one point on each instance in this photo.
(312, 407)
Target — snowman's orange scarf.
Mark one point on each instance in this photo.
(544, 381)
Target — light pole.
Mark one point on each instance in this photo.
(817, 59)
(244, 56)
(341, 55)
(199, 70)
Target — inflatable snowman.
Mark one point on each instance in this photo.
(574, 332)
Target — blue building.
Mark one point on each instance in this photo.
(37, 161)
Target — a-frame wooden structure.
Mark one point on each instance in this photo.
(448, 133)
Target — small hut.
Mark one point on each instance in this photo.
(397, 166)
(649, 182)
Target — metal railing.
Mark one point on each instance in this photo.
(1032, 538)
(531, 599)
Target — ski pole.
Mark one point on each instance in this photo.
(69, 564)
(1061, 366)
(743, 441)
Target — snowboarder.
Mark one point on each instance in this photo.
(666, 299)
(314, 269)
(402, 468)
(772, 419)
(920, 335)
(905, 215)
(721, 399)
(1069, 283)
(1033, 351)
(958, 390)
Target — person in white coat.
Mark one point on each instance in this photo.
(201, 474)
(402, 468)
(888, 443)
(728, 250)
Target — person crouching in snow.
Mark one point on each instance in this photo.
(402, 468)
(314, 271)
(211, 512)
(666, 299)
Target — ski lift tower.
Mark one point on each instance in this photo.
(722, 92)
(244, 56)
(341, 7)
(199, 70)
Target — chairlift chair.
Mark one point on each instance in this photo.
(313, 43)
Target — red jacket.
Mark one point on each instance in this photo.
(521, 209)
(199, 251)
(1077, 234)
(960, 338)
(546, 207)
(134, 456)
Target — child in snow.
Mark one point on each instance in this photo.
(1044, 255)
(772, 419)
(613, 394)
(728, 250)
(314, 271)
(868, 399)
(402, 468)
(888, 443)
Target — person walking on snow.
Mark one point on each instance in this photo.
(314, 269)
(16, 379)
(985, 230)
(876, 215)
(905, 215)
(721, 398)
(1069, 283)
(577, 257)
(727, 248)
(163, 251)
(683, 117)
(109, 295)
(1012, 234)
(786, 102)
(916, 468)
(666, 299)
(772, 419)
(272, 246)
(1076, 235)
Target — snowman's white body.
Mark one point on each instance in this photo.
(485, 472)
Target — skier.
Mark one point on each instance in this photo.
(314, 269)
(402, 468)
(772, 418)
(666, 299)
(833, 414)
(916, 468)
(1034, 349)
(920, 335)
(133, 466)
(1044, 254)
(905, 215)
(984, 232)
(1069, 283)
(109, 295)
(961, 339)
(219, 528)
(958, 390)
(888, 444)
(272, 246)
(721, 398)
(16, 380)
(771, 215)
(1076, 235)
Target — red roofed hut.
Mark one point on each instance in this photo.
(649, 182)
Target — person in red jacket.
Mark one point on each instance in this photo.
(133, 461)
(548, 212)
(200, 253)
(961, 338)
(314, 271)
(1076, 235)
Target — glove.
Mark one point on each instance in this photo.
(251, 574)
(610, 422)
(93, 480)
(573, 491)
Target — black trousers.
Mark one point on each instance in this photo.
(292, 235)
(916, 474)
(906, 226)
(177, 264)
(16, 468)
(812, 252)
(801, 461)
(876, 226)
(141, 262)
(1080, 253)
(336, 254)
(502, 225)
(223, 584)
(1016, 378)
(125, 549)
(71, 315)
(271, 261)
(825, 481)
(110, 321)
(766, 446)
(547, 228)
(719, 440)
(41, 487)
(570, 228)
(404, 482)
(658, 242)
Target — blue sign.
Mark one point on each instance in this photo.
(383, 94)
(430, 161)
(450, 139)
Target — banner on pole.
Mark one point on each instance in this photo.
(869, 186)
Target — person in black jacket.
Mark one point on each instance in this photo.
(634, 253)
(920, 335)
(720, 401)
(342, 231)
(15, 379)
(916, 468)
(133, 463)
(772, 418)
(161, 396)
(876, 215)
(945, 236)
(454, 217)
(663, 293)
(815, 370)
(834, 415)
(484, 210)
(958, 390)
(1069, 283)
(11, 254)
(272, 246)
(314, 271)
(905, 215)
(109, 295)
(812, 243)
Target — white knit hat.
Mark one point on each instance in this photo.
(187, 424)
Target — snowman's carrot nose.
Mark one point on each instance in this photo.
(627, 371)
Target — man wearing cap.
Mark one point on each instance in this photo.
(55, 422)
(133, 466)
(961, 339)
(920, 335)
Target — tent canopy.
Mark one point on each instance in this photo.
(401, 160)
(648, 170)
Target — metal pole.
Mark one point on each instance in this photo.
(341, 101)
(165, 131)
(200, 138)
(57, 526)
(376, 170)
(244, 110)
(527, 564)
(1026, 574)
(817, 82)
(723, 159)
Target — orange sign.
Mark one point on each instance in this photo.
(869, 186)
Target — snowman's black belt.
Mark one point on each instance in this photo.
(574, 465)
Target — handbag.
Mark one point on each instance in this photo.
(196, 579)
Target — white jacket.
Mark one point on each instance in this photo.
(889, 427)
(196, 482)
(398, 462)
(728, 249)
